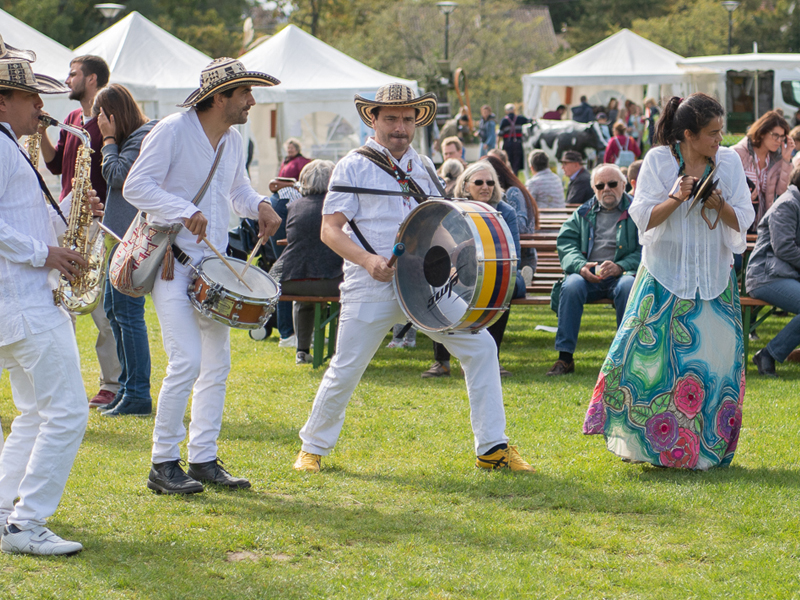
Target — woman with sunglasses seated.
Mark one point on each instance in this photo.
(766, 154)
(670, 391)
(479, 183)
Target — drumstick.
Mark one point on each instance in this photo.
(226, 263)
(256, 248)
(397, 251)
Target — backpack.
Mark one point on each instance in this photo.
(626, 157)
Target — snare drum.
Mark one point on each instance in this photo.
(459, 267)
(218, 295)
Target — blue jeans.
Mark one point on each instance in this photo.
(785, 294)
(575, 292)
(126, 315)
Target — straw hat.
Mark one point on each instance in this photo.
(398, 95)
(16, 73)
(223, 74)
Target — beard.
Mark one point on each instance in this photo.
(609, 201)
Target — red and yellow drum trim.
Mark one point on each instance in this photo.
(497, 272)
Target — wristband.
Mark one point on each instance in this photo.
(110, 137)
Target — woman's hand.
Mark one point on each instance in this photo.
(107, 125)
(682, 188)
(715, 201)
(787, 149)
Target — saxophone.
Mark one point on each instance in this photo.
(83, 235)
(32, 145)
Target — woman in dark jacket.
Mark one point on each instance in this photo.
(123, 127)
(307, 267)
(773, 273)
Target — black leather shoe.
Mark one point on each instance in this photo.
(135, 408)
(213, 472)
(765, 363)
(169, 478)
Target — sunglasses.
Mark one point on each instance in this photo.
(601, 186)
(480, 182)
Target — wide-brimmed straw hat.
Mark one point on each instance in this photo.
(16, 73)
(397, 95)
(223, 74)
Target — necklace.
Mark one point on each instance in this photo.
(676, 152)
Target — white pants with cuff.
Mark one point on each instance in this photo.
(362, 327)
(45, 375)
(199, 360)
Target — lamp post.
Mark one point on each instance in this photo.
(446, 8)
(730, 6)
(109, 11)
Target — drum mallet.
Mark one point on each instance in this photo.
(252, 255)
(226, 263)
(397, 252)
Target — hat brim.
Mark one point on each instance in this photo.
(12, 53)
(251, 78)
(425, 105)
(44, 85)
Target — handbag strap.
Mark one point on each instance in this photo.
(202, 191)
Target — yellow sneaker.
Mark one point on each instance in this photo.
(308, 462)
(505, 458)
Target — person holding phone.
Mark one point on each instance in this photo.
(671, 389)
(766, 155)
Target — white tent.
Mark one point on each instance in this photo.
(314, 101)
(620, 66)
(158, 68)
(51, 59)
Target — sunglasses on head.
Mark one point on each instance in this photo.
(601, 186)
(480, 182)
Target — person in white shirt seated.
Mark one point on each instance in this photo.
(670, 391)
(175, 161)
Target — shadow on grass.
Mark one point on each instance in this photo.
(777, 477)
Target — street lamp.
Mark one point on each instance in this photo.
(446, 8)
(730, 6)
(109, 11)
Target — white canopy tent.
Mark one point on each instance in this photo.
(314, 101)
(158, 68)
(624, 65)
(51, 59)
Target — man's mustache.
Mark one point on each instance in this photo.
(399, 136)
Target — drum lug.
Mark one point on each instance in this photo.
(213, 295)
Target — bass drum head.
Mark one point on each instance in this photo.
(264, 286)
(440, 275)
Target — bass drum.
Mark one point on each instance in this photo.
(459, 266)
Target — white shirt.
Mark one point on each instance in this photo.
(27, 228)
(682, 253)
(377, 217)
(173, 164)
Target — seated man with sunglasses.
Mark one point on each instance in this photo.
(599, 250)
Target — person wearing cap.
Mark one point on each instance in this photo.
(511, 132)
(599, 251)
(175, 160)
(87, 76)
(580, 183)
(37, 342)
(361, 227)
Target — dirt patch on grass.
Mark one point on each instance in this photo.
(242, 555)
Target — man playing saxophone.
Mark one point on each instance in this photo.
(87, 75)
(37, 342)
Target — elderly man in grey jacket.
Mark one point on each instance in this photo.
(773, 274)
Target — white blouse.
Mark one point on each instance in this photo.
(682, 253)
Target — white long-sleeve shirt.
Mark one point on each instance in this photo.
(28, 225)
(682, 253)
(377, 217)
(173, 164)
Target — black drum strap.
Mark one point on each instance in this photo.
(361, 237)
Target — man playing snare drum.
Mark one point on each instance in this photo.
(369, 305)
(174, 163)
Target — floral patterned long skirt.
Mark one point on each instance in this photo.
(671, 389)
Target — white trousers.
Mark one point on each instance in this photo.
(45, 375)
(362, 327)
(198, 362)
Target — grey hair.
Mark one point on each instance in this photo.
(620, 174)
(460, 190)
(315, 176)
(296, 143)
(451, 169)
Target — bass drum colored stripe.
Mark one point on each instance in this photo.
(495, 282)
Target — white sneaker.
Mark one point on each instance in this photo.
(527, 275)
(303, 358)
(289, 342)
(395, 343)
(39, 540)
(409, 343)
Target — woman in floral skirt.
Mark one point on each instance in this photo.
(671, 389)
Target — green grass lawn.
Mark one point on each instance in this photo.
(400, 511)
